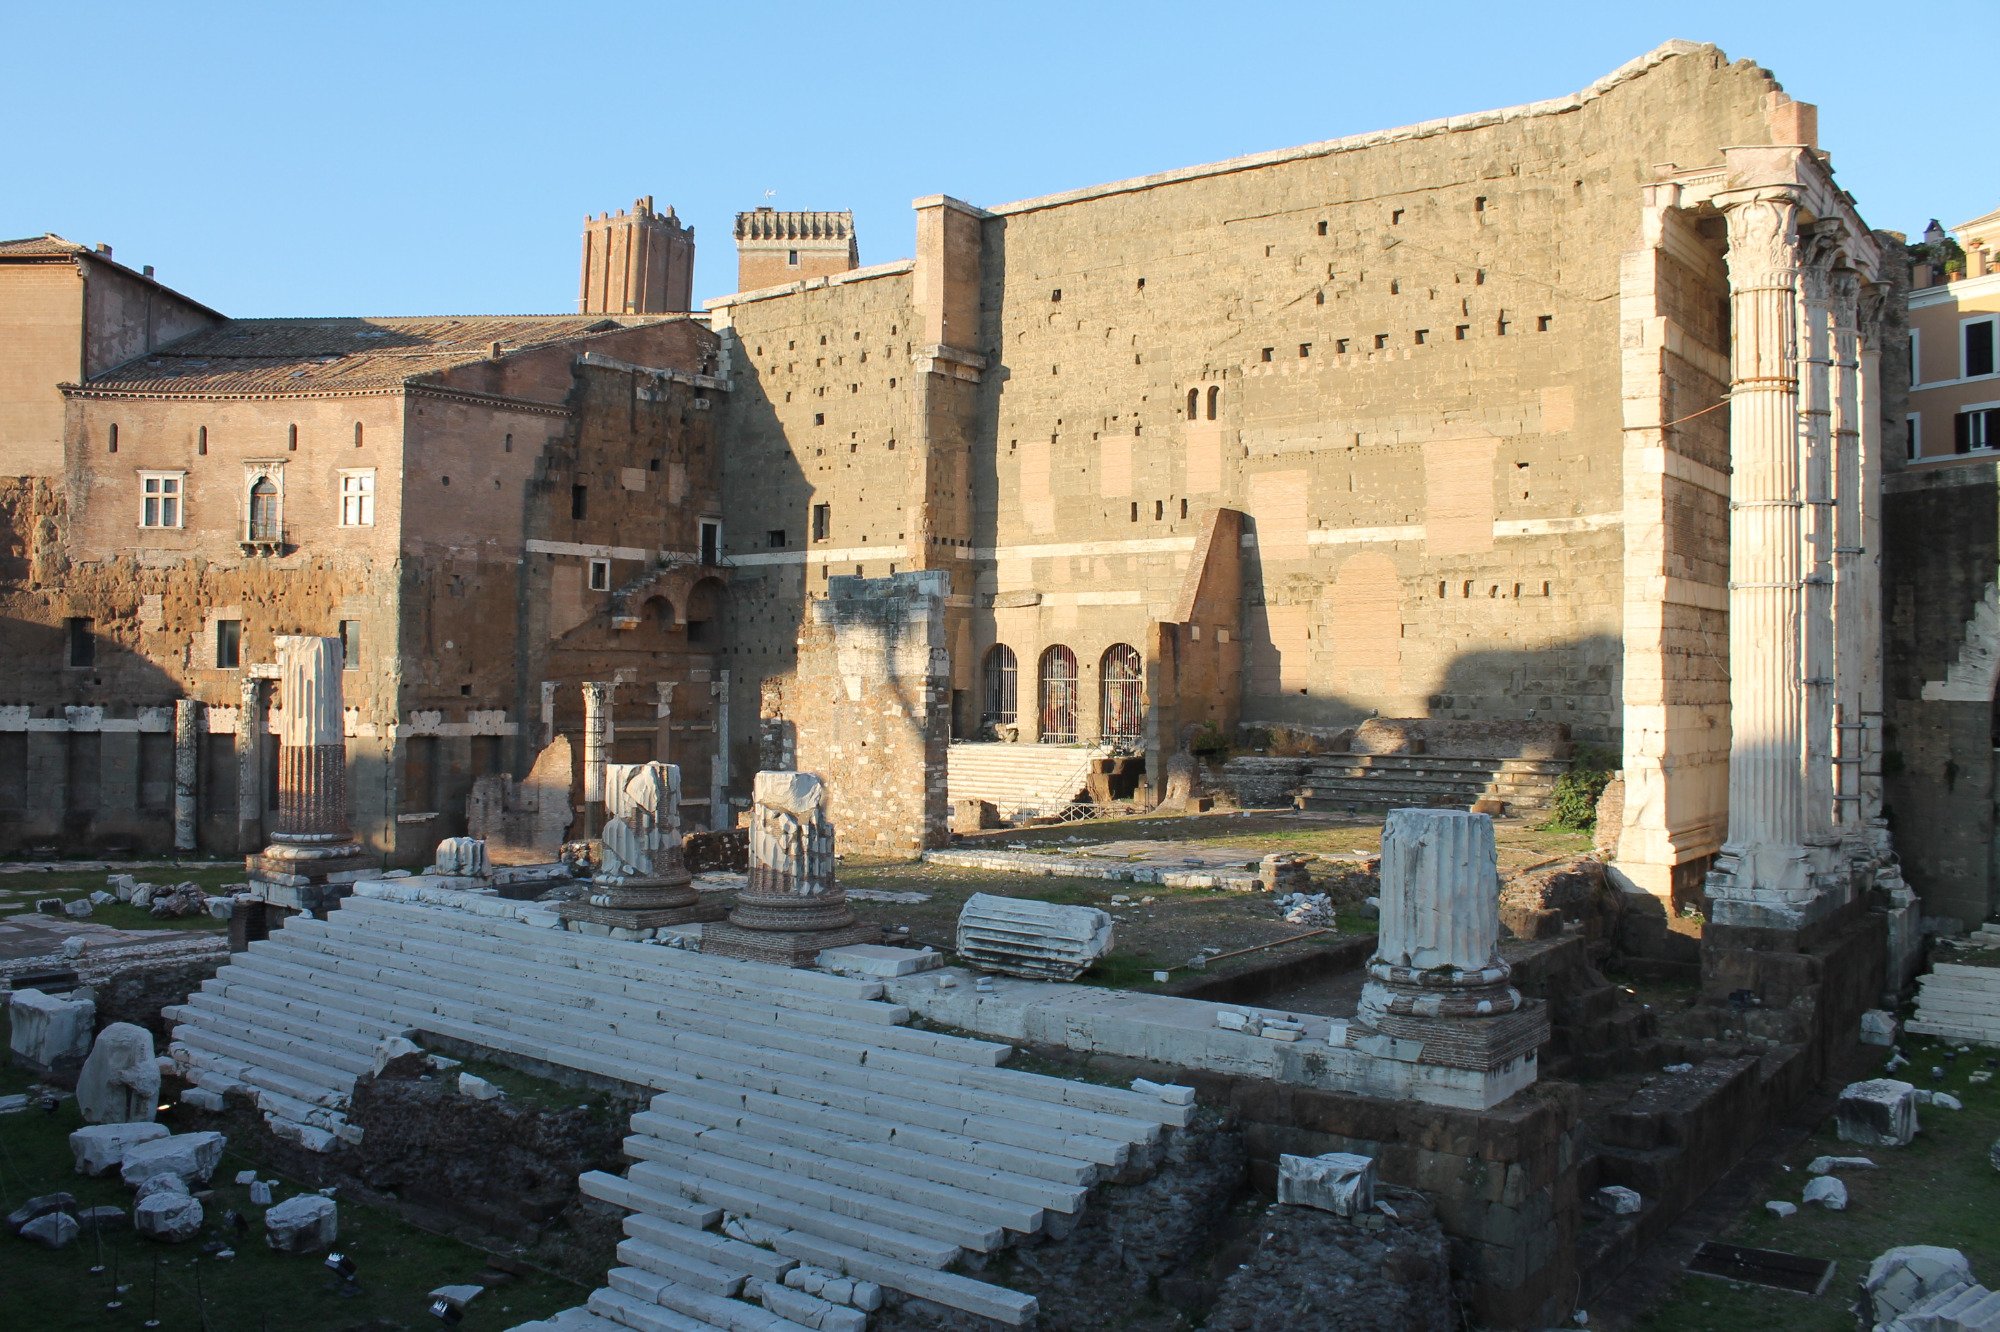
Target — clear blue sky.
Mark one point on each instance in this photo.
(420, 157)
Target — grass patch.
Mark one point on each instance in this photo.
(21, 890)
(257, 1289)
(1938, 1190)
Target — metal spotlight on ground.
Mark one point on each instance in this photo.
(343, 1267)
(446, 1312)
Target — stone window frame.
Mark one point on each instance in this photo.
(1913, 435)
(216, 637)
(357, 502)
(255, 470)
(170, 496)
(597, 575)
(1985, 410)
(1916, 357)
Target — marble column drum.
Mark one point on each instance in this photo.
(642, 882)
(313, 857)
(792, 908)
(1437, 983)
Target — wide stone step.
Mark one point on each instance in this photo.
(950, 1289)
(816, 1117)
(312, 1080)
(640, 1314)
(718, 1250)
(248, 1017)
(578, 1319)
(684, 1268)
(803, 1189)
(636, 1196)
(905, 1157)
(827, 1165)
(748, 1200)
(1002, 1123)
(704, 1308)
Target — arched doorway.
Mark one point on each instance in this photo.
(1123, 716)
(1058, 695)
(1002, 706)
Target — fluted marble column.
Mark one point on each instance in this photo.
(598, 733)
(1437, 953)
(793, 907)
(1816, 473)
(1868, 567)
(1761, 875)
(1851, 643)
(312, 743)
(188, 730)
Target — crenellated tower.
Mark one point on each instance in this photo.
(773, 248)
(641, 262)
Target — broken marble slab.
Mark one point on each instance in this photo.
(1880, 1112)
(1339, 1182)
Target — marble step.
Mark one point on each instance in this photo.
(824, 1164)
(710, 1247)
(640, 1314)
(950, 1289)
(664, 1204)
(951, 1227)
(674, 1265)
(748, 1200)
(578, 1319)
(948, 1168)
(1072, 1174)
(252, 1017)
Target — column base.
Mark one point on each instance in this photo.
(786, 948)
(641, 918)
(1479, 1044)
(312, 877)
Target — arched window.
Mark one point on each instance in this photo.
(1214, 392)
(1194, 402)
(1123, 715)
(1059, 696)
(659, 613)
(266, 522)
(1002, 705)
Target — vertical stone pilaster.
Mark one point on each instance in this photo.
(598, 733)
(548, 713)
(189, 726)
(1761, 876)
(252, 726)
(663, 726)
(718, 770)
(1868, 566)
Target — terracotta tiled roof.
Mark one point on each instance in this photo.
(34, 247)
(337, 355)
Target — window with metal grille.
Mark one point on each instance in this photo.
(1123, 716)
(1058, 695)
(1002, 706)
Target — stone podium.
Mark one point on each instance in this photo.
(313, 859)
(1437, 977)
(642, 882)
(792, 908)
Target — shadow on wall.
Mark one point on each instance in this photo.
(82, 781)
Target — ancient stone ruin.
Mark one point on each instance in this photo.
(792, 908)
(641, 882)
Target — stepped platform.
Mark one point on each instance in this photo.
(1022, 780)
(797, 1118)
(1376, 783)
(1960, 1001)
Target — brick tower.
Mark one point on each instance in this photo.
(641, 262)
(773, 248)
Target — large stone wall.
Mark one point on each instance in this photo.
(1942, 531)
(1385, 352)
(868, 709)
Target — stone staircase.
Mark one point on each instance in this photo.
(1960, 1001)
(1022, 779)
(1959, 1307)
(1343, 783)
(806, 1149)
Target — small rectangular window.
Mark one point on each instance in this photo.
(357, 499)
(822, 521)
(775, 538)
(792, 258)
(711, 541)
(600, 575)
(82, 633)
(579, 501)
(228, 645)
(350, 645)
(160, 499)
(1976, 430)
(1916, 357)
(1913, 428)
(1267, 353)
(1978, 334)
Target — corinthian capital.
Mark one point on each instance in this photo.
(1763, 236)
